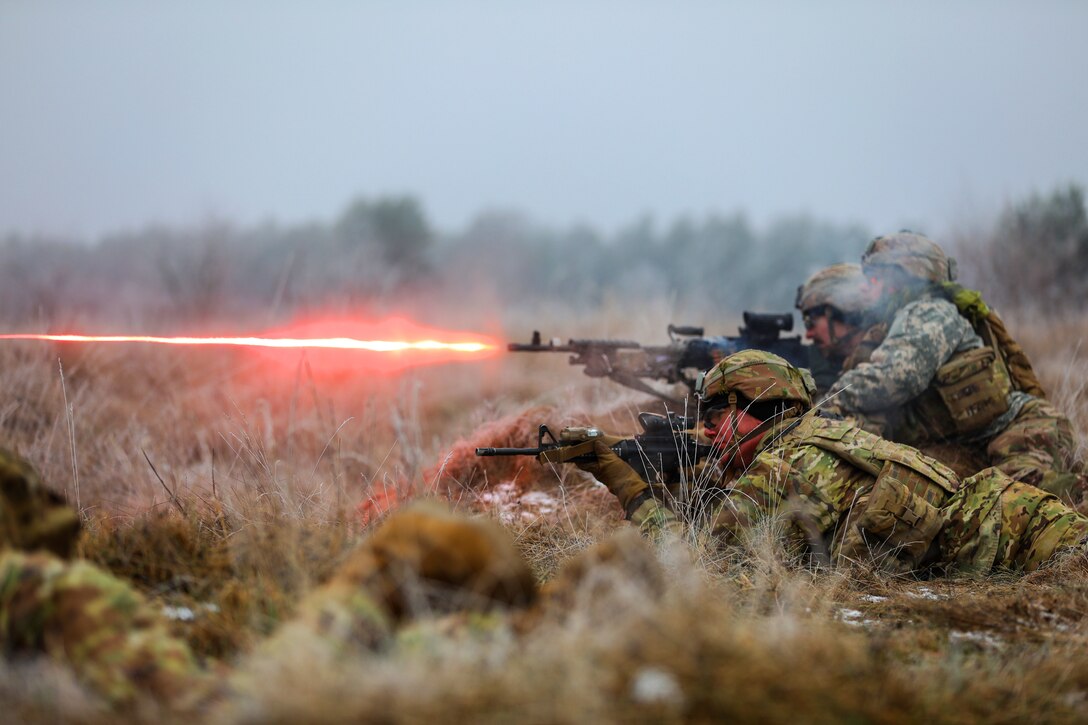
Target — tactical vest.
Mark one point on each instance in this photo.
(991, 328)
(968, 393)
(971, 389)
(897, 520)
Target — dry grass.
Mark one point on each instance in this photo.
(220, 486)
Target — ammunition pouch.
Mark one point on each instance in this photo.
(898, 524)
(991, 328)
(968, 393)
(974, 387)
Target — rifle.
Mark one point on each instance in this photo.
(660, 454)
(687, 354)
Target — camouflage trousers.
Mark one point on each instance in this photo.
(80, 615)
(994, 522)
(1039, 448)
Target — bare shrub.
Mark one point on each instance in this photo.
(1035, 256)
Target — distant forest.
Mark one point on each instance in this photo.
(384, 254)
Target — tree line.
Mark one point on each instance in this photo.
(385, 253)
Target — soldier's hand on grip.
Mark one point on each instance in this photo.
(609, 469)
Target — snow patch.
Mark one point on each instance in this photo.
(854, 617)
(179, 614)
(512, 505)
(927, 593)
(653, 685)
(983, 639)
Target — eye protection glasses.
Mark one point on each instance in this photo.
(809, 316)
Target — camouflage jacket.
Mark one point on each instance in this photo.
(923, 335)
(111, 637)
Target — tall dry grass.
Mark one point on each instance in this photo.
(227, 491)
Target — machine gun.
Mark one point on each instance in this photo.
(661, 454)
(688, 353)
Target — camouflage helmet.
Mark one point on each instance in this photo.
(758, 376)
(918, 256)
(839, 286)
(31, 515)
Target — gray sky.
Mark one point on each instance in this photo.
(116, 114)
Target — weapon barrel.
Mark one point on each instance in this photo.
(530, 347)
(509, 451)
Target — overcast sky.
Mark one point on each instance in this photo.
(116, 114)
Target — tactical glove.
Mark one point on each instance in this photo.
(620, 478)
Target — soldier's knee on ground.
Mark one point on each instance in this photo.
(1038, 448)
(426, 558)
(1055, 529)
(995, 523)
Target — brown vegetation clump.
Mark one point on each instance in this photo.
(427, 552)
(225, 581)
(624, 556)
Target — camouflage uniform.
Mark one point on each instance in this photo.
(79, 615)
(895, 389)
(846, 494)
(76, 613)
(995, 523)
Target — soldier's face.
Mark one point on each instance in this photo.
(731, 434)
(818, 329)
(831, 337)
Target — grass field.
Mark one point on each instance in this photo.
(225, 489)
